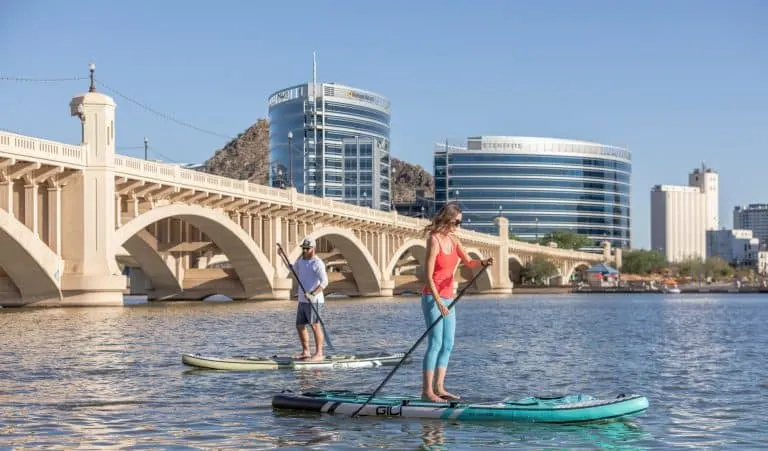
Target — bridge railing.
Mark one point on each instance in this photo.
(42, 150)
(153, 171)
(553, 251)
(355, 211)
(157, 172)
(484, 238)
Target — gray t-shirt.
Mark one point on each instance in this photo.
(311, 273)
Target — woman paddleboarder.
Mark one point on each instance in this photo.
(443, 253)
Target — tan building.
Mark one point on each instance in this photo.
(681, 215)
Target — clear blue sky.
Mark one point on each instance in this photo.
(677, 82)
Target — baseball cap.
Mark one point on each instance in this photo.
(307, 242)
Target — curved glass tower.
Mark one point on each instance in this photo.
(539, 184)
(338, 145)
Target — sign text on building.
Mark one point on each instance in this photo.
(365, 97)
(501, 146)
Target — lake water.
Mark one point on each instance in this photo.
(113, 377)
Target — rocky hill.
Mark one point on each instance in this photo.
(408, 179)
(247, 157)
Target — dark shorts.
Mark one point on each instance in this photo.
(306, 315)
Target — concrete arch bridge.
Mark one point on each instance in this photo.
(81, 225)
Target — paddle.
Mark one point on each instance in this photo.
(455, 301)
(312, 304)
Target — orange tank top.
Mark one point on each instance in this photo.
(445, 266)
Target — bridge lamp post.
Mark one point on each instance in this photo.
(537, 230)
(392, 186)
(146, 144)
(92, 68)
(290, 158)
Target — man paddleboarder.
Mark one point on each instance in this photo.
(310, 270)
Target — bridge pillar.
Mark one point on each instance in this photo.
(31, 205)
(91, 275)
(387, 288)
(606, 245)
(6, 194)
(500, 268)
(617, 258)
(281, 289)
(54, 217)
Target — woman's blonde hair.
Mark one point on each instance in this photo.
(443, 218)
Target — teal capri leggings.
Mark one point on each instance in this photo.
(440, 338)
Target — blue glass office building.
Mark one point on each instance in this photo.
(339, 146)
(539, 184)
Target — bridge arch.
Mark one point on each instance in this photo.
(143, 248)
(574, 267)
(516, 266)
(483, 283)
(365, 271)
(417, 248)
(32, 266)
(247, 259)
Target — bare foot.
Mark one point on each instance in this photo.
(303, 355)
(316, 357)
(431, 397)
(449, 396)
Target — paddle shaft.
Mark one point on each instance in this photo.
(415, 345)
(312, 304)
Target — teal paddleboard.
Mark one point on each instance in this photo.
(573, 408)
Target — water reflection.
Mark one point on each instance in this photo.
(310, 379)
(432, 435)
(624, 435)
(307, 437)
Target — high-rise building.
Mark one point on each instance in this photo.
(755, 218)
(331, 140)
(540, 185)
(707, 181)
(681, 216)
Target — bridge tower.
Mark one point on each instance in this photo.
(500, 267)
(92, 276)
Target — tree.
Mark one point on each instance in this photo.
(539, 269)
(567, 239)
(641, 261)
(690, 267)
(716, 267)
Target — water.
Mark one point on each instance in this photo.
(112, 377)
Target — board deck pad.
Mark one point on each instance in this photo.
(571, 408)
